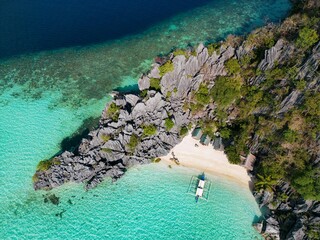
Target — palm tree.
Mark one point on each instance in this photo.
(266, 182)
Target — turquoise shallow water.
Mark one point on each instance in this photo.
(150, 202)
(46, 97)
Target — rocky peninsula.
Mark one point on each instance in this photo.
(134, 129)
(258, 93)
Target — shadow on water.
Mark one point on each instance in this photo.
(70, 143)
(89, 124)
(133, 89)
(256, 219)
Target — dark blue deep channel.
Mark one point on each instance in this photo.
(34, 25)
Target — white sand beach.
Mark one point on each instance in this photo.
(206, 159)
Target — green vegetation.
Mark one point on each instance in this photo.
(202, 95)
(213, 47)
(307, 37)
(225, 132)
(167, 67)
(300, 85)
(113, 111)
(35, 178)
(290, 136)
(308, 183)
(183, 131)
(133, 143)
(144, 93)
(265, 182)
(232, 155)
(106, 150)
(156, 160)
(196, 107)
(44, 165)
(149, 130)
(226, 90)
(262, 38)
(169, 124)
(168, 94)
(178, 52)
(155, 84)
(208, 127)
(105, 138)
(313, 232)
(233, 66)
(193, 53)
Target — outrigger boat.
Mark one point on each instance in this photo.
(199, 187)
(201, 183)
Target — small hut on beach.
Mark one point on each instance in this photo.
(205, 140)
(217, 144)
(197, 133)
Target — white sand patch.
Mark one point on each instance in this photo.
(206, 159)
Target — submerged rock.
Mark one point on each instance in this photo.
(51, 198)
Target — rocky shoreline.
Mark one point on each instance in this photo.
(136, 129)
(286, 214)
(106, 152)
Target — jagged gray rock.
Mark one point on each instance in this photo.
(215, 63)
(291, 100)
(155, 104)
(272, 228)
(143, 83)
(272, 55)
(132, 99)
(139, 110)
(308, 69)
(154, 73)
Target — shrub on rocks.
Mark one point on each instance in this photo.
(167, 67)
(155, 84)
(156, 160)
(213, 47)
(233, 66)
(113, 111)
(133, 143)
(183, 131)
(44, 165)
(149, 130)
(202, 95)
(106, 150)
(105, 138)
(178, 52)
(307, 37)
(169, 124)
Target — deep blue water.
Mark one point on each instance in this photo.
(34, 25)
